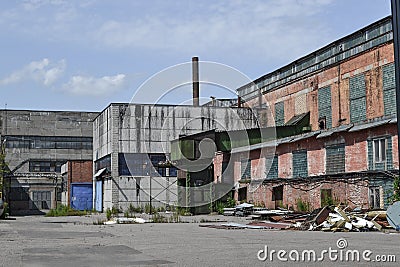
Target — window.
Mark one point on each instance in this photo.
(246, 169)
(357, 98)
(389, 89)
(271, 166)
(380, 154)
(374, 197)
(380, 150)
(104, 162)
(45, 165)
(324, 108)
(300, 167)
(335, 159)
(48, 142)
(279, 114)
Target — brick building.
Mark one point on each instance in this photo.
(76, 185)
(348, 153)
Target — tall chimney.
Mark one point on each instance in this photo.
(195, 72)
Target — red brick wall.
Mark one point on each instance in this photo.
(353, 195)
(79, 171)
(337, 77)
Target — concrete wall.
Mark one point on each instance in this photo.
(42, 123)
(134, 128)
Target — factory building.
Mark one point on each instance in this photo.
(36, 144)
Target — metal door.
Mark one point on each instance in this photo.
(81, 196)
(41, 200)
(99, 195)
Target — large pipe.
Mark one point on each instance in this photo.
(196, 86)
(396, 43)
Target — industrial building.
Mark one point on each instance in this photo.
(76, 184)
(349, 155)
(131, 149)
(36, 144)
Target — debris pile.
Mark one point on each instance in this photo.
(336, 219)
(328, 218)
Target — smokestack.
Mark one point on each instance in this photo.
(195, 72)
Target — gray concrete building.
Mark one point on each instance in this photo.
(131, 149)
(36, 144)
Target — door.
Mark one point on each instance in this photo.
(82, 196)
(41, 200)
(99, 195)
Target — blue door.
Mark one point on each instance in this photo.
(82, 196)
(99, 195)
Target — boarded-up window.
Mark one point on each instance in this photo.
(279, 113)
(324, 106)
(300, 168)
(271, 166)
(246, 168)
(300, 104)
(335, 159)
(389, 89)
(357, 99)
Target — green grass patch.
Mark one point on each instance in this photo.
(63, 210)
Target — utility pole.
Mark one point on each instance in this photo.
(396, 45)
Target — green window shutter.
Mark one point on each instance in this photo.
(272, 164)
(389, 89)
(246, 169)
(300, 167)
(335, 159)
(279, 113)
(389, 154)
(324, 105)
(357, 99)
(370, 156)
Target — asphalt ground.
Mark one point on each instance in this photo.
(76, 241)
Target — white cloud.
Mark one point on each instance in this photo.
(272, 29)
(43, 72)
(92, 86)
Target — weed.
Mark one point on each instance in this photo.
(63, 210)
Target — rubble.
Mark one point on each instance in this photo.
(328, 218)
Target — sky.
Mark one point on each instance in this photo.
(84, 54)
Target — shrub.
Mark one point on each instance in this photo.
(302, 205)
(63, 210)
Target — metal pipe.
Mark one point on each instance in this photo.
(195, 77)
(396, 43)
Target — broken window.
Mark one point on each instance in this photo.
(324, 108)
(374, 197)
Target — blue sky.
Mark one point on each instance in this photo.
(84, 54)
